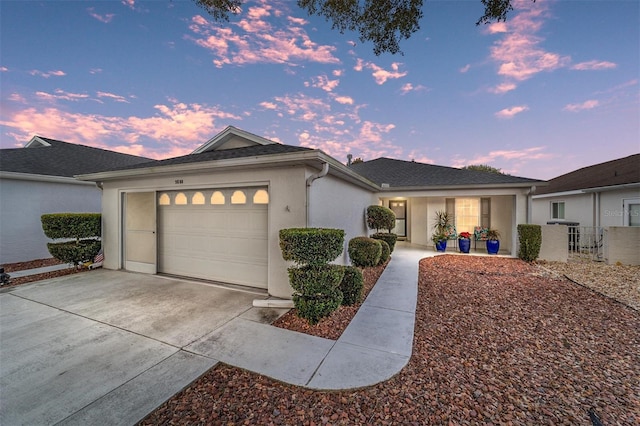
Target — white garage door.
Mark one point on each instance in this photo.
(216, 234)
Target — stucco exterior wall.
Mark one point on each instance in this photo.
(22, 202)
(577, 208)
(622, 244)
(334, 203)
(611, 206)
(287, 194)
(554, 243)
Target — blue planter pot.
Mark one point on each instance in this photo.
(441, 245)
(465, 245)
(493, 246)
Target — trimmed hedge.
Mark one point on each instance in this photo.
(530, 238)
(364, 251)
(75, 251)
(314, 308)
(72, 225)
(388, 238)
(311, 246)
(351, 286)
(313, 280)
(385, 254)
(380, 217)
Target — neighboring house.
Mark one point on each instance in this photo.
(38, 179)
(605, 194)
(215, 214)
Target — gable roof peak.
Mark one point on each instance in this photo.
(232, 137)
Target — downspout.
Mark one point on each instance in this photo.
(530, 203)
(322, 173)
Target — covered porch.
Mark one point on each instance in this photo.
(470, 211)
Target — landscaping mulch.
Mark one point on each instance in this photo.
(496, 342)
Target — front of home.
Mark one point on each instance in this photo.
(216, 214)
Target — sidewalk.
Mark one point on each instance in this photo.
(376, 345)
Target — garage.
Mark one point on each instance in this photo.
(218, 234)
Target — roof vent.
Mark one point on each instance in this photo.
(385, 185)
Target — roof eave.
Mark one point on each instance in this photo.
(521, 185)
(42, 178)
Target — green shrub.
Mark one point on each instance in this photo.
(385, 254)
(364, 251)
(380, 217)
(530, 238)
(311, 246)
(351, 286)
(72, 225)
(388, 238)
(75, 251)
(314, 308)
(316, 279)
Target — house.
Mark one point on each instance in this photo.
(215, 214)
(605, 194)
(38, 179)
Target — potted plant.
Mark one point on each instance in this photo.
(493, 241)
(442, 230)
(464, 242)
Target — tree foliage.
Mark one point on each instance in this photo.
(383, 22)
(483, 168)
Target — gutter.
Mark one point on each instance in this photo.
(322, 173)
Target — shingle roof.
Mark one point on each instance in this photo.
(399, 173)
(63, 159)
(223, 154)
(615, 172)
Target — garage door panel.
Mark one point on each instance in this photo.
(227, 243)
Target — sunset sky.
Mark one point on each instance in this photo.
(553, 89)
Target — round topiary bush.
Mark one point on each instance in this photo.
(364, 251)
(313, 280)
(311, 246)
(380, 217)
(388, 238)
(314, 308)
(386, 252)
(351, 286)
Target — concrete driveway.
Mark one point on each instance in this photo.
(106, 347)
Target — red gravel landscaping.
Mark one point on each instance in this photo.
(495, 343)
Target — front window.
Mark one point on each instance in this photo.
(467, 214)
(557, 210)
(631, 209)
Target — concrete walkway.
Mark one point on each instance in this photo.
(27, 272)
(376, 345)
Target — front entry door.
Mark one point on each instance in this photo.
(140, 232)
(400, 210)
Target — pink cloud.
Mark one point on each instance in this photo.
(176, 127)
(511, 112)
(513, 156)
(519, 52)
(4, 69)
(95, 70)
(254, 40)
(47, 74)
(130, 3)
(113, 96)
(594, 65)
(345, 100)
(503, 88)
(323, 82)
(465, 68)
(590, 104)
(381, 75)
(61, 95)
(408, 87)
(102, 18)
